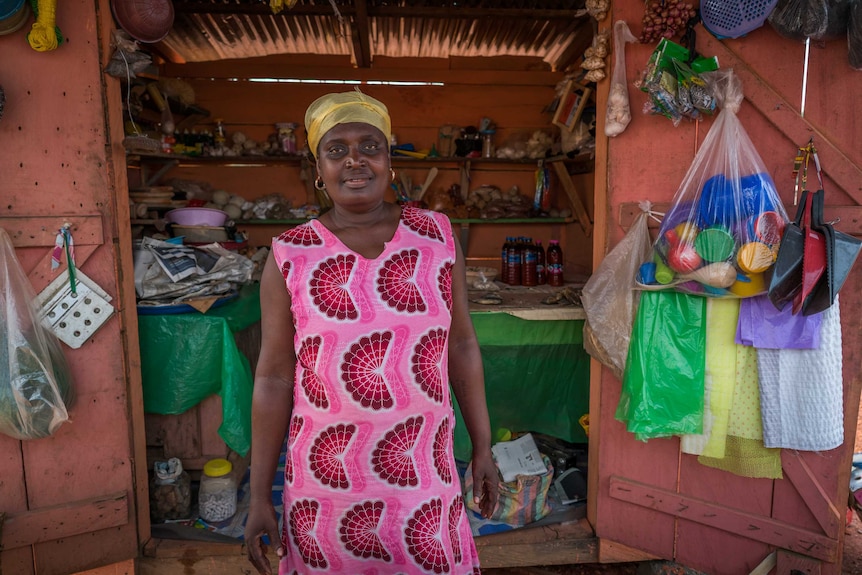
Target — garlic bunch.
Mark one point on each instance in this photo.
(594, 57)
(598, 9)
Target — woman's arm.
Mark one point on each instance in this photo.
(467, 378)
(272, 403)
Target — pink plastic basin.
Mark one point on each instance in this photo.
(196, 217)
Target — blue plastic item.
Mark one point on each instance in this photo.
(734, 18)
(9, 8)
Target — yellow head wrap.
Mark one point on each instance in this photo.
(332, 109)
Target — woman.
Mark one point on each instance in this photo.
(365, 324)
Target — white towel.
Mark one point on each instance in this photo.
(801, 391)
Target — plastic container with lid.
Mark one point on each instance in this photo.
(217, 495)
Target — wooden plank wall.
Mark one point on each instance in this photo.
(70, 498)
(513, 92)
(648, 162)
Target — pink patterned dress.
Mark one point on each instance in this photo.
(370, 479)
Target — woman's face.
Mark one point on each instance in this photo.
(353, 161)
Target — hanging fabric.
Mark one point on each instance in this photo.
(719, 378)
(801, 391)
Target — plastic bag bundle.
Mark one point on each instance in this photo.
(815, 19)
(619, 114)
(609, 299)
(35, 383)
(675, 84)
(724, 227)
(663, 387)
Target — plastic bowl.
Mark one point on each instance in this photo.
(146, 20)
(196, 217)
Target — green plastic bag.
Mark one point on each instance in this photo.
(663, 384)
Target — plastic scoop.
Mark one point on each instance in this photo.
(754, 257)
(813, 259)
(768, 227)
(715, 275)
(714, 244)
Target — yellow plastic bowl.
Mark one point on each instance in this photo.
(754, 286)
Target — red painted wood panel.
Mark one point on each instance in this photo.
(648, 161)
(55, 165)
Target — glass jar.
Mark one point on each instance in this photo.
(488, 144)
(287, 137)
(170, 492)
(217, 495)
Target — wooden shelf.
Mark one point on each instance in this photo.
(182, 159)
(454, 221)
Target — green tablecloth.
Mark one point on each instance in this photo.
(536, 371)
(537, 377)
(190, 356)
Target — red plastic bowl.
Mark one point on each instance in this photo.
(146, 20)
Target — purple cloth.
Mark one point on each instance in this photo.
(761, 325)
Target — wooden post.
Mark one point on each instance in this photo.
(577, 204)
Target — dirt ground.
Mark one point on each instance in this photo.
(852, 564)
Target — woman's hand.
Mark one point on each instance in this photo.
(485, 482)
(261, 521)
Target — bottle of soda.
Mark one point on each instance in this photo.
(528, 271)
(514, 269)
(541, 278)
(555, 264)
(504, 260)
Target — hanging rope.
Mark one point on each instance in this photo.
(45, 35)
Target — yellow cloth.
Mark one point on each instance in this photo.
(745, 419)
(722, 317)
(747, 458)
(342, 108)
(744, 453)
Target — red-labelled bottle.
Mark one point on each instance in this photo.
(529, 274)
(514, 269)
(504, 260)
(554, 264)
(541, 275)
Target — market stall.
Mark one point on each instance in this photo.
(646, 499)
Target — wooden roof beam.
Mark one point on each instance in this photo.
(324, 9)
(361, 35)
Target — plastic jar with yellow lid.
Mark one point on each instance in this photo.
(217, 495)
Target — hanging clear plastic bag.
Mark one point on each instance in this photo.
(619, 114)
(610, 300)
(35, 381)
(721, 236)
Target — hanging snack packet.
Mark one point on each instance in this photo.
(661, 80)
(721, 235)
(693, 95)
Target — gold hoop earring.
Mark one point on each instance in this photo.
(392, 171)
(319, 185)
